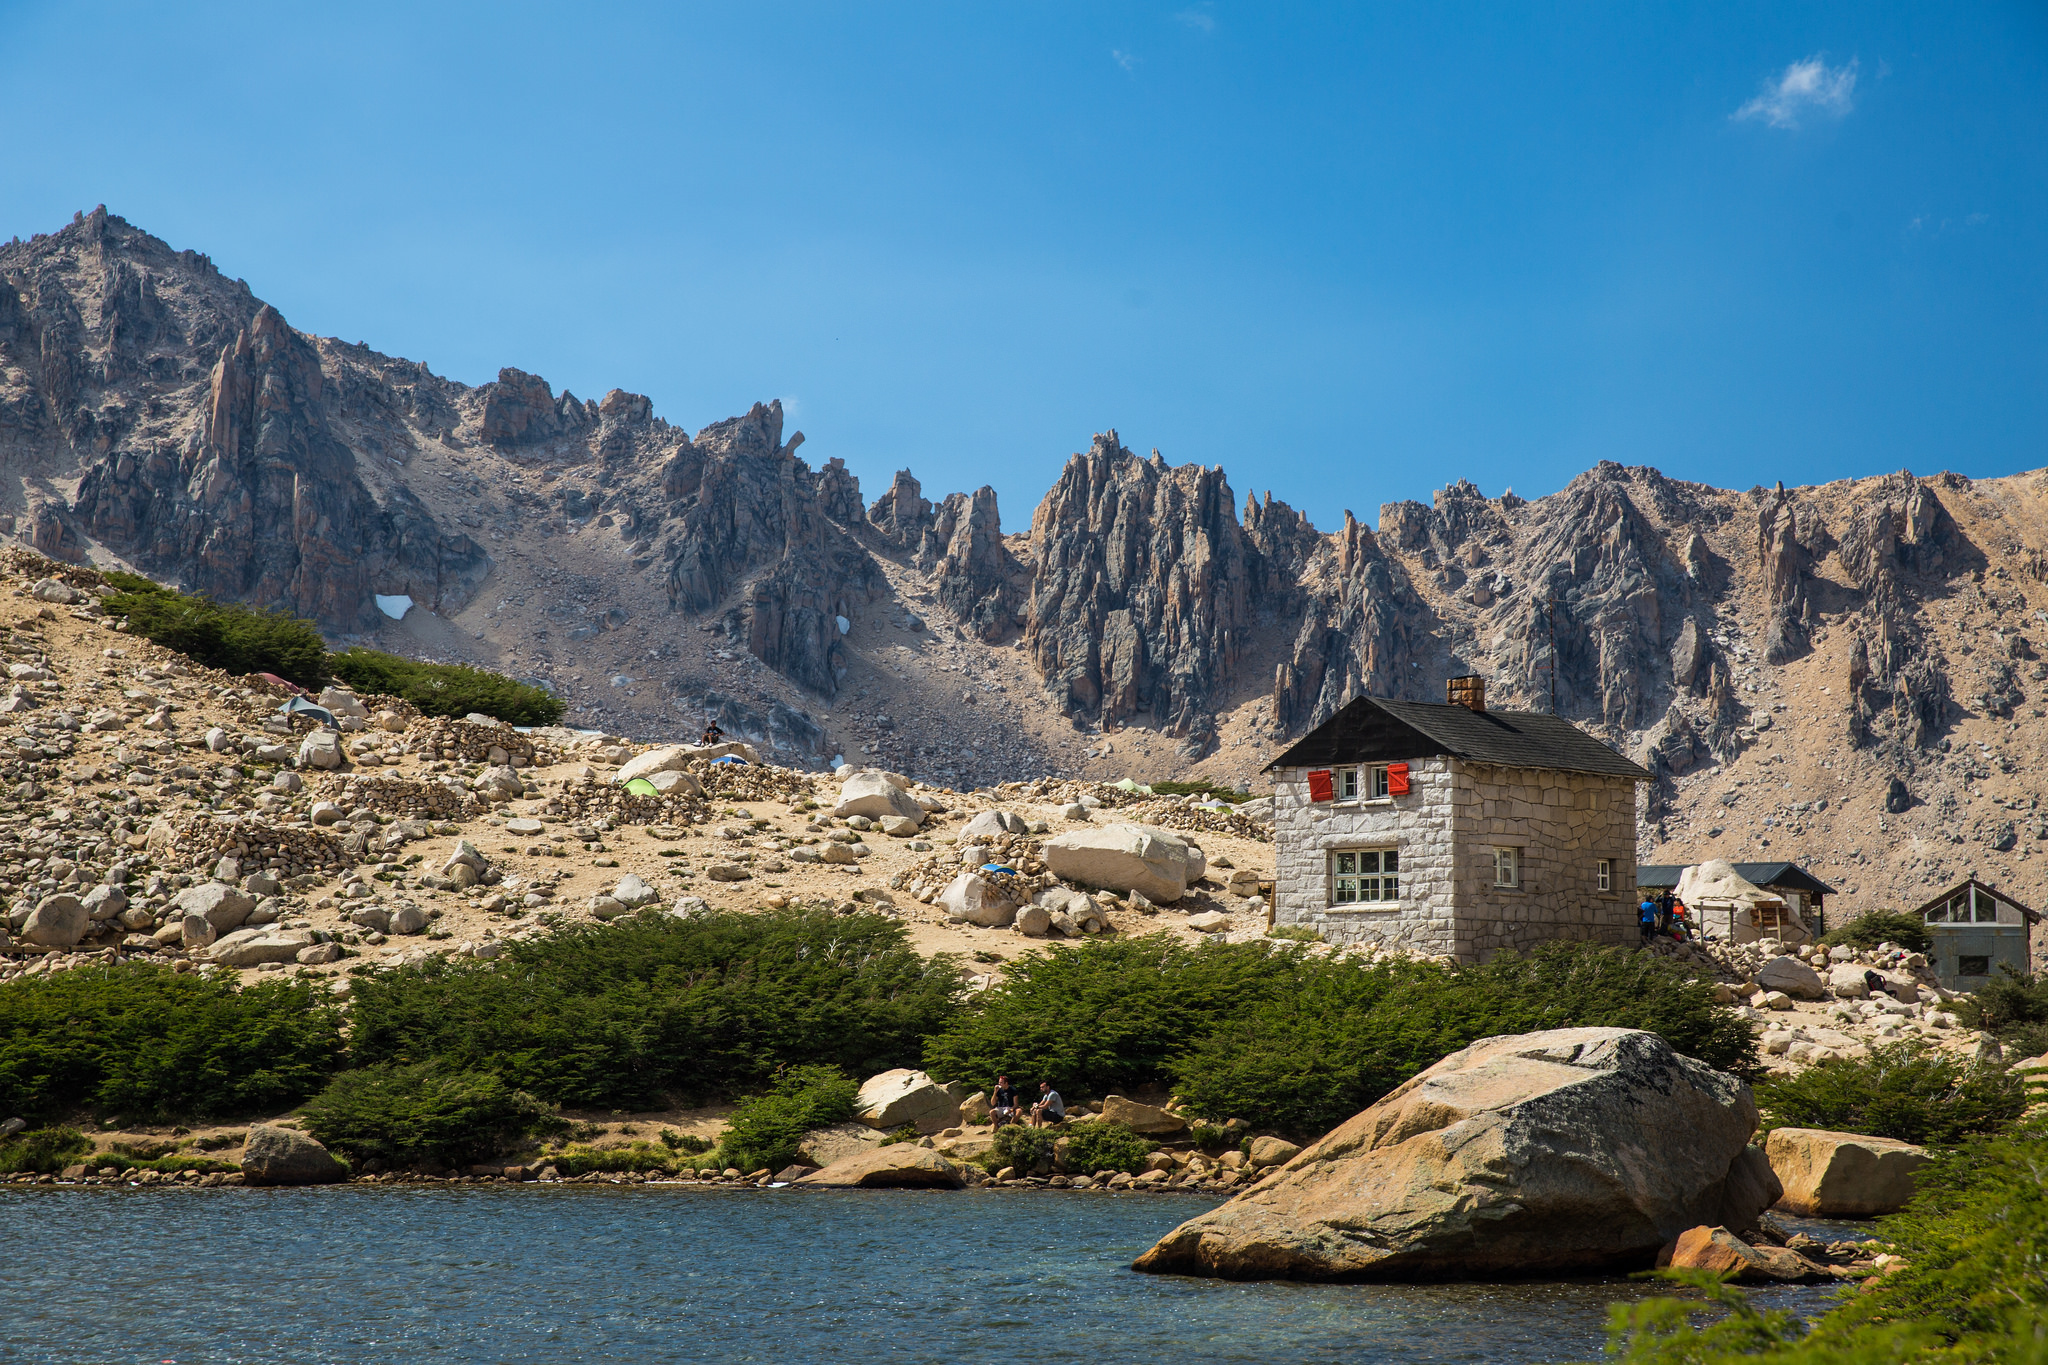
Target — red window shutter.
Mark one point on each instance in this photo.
(1319, 788)
(1397, 779)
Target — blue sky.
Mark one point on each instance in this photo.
(1350, 253)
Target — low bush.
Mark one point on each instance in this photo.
(446, 689)
(653, 1007)
(1100, 1146)
(1970, 1287)
(42, 1151)
(639, 1156)
(1229, 794)
(687, 1143)
(1282, 1039)
(223, 635)
(422, 1114)
(1881, 926)
(2013, 1006)
(767, 1130)
(1021, 1146)
(1906, 1091)
(152, 1044)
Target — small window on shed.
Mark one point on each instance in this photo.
(1973, 966)
(1603, 874)
(1507, 867)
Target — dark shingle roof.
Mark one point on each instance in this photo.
(1791, 876)
(1370, 730)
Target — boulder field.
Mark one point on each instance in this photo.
(1562, 1151)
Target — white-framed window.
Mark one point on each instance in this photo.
(1603, 873)
(1507, 867)
(1367, 783)
(1365, 876)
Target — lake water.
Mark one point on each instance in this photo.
(653, 1274)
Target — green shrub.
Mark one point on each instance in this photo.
(1229, 794)
(639, 1156)
(1970, 1289)
(1021, 1146)
(687, 1143)
(143, 1041)
(425, 1113)
(223, 635)
(43, 1151)
(1282, 1039)
(907, 1133)
(446, 689)
(1104, 1017)
(1299, 933)
(1346, 1034)
(2013, 1006)
(653, 1007)
(1881, 926)
(767, 1130)
(1100, 1146)
(1906, 1091)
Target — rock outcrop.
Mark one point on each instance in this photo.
(1548, 1152)
(285, 1156)
(902, 1165)
(1842, 1175)
(1140, 590)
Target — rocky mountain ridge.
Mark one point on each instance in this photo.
(1865, 642)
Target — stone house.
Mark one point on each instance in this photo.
(1454, 830)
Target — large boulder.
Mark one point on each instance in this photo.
(1790, 975)
(901, 1165)
(285, 1156)
(1568, 1150)
(971, 898)
(321, 749)
(342, 702)
(993, 824)
(870, 792)
(1127, 857)
(57, 921)
(893, 1098)
(1141, 1118)
(1845, 981)
(1842, 1175)
(222, 906)
(252, 947)
(823, 1146)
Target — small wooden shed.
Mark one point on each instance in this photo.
(1976, 929)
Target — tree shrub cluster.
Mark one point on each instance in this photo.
(1100, 1146)
(2013, 1007)
(1266, 1032)
(42, 1151)
(1906, 1091)
(446, 689)
(1873, 927)
(141, 1041)
(654, 1008)
(1970, 1288)
(239, 639)
(223, 635)
(767, 1130)
(424, 1113)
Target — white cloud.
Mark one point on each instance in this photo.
(1808, 87)
(1123, 59)
(1198, 17)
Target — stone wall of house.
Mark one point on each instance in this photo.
(1446, 829)
(1563, 823)
(1419, 824)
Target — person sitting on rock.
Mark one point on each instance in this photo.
(713, 735)
(1050, 1108)
(1002, 1105)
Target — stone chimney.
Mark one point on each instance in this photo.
(1469, 690)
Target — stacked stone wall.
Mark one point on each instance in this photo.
(1446, 829)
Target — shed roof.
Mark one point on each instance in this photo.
(1791, 876)
(1372, 730)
